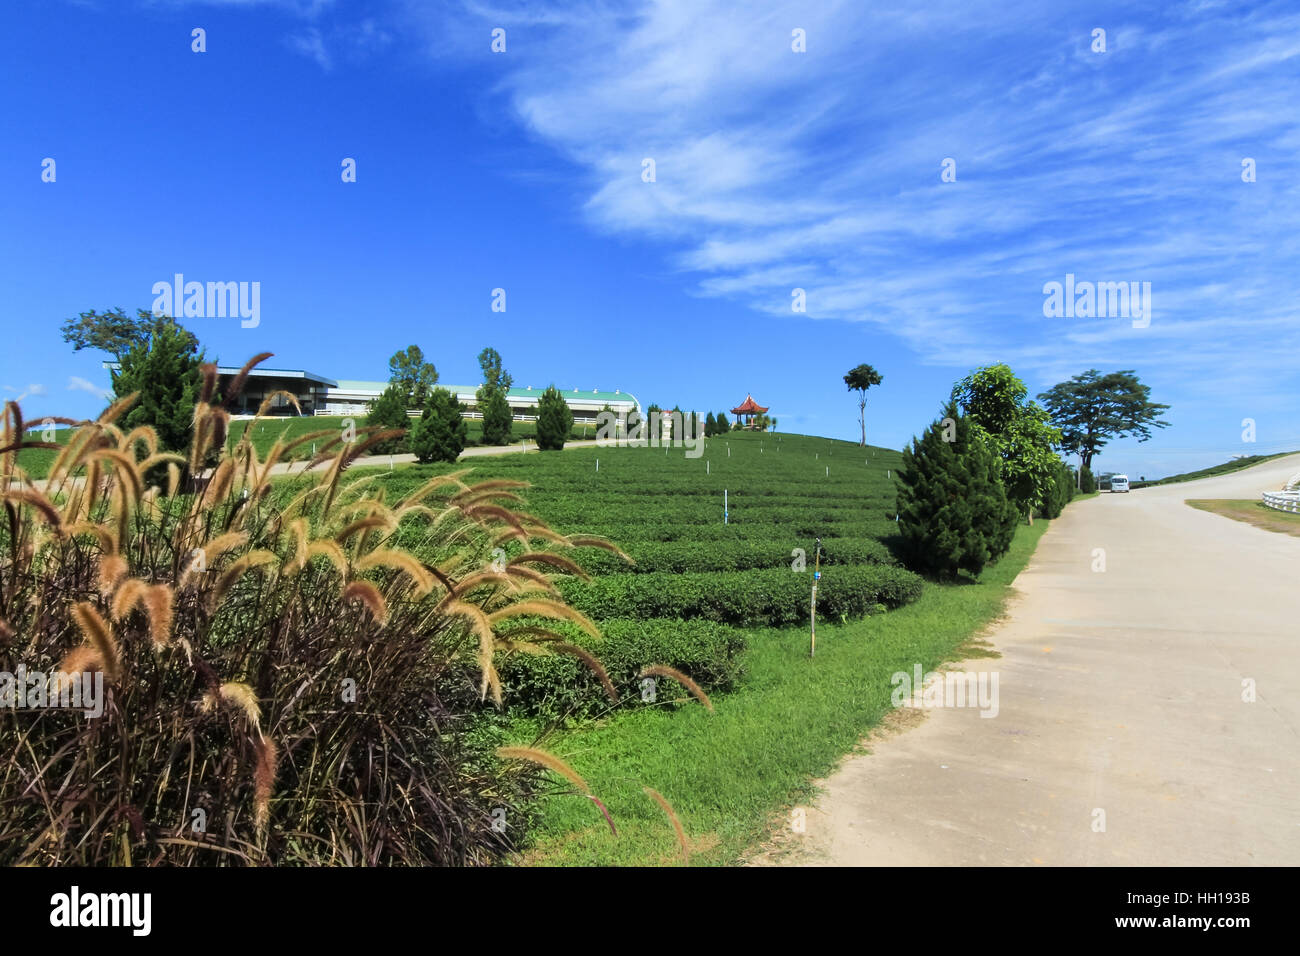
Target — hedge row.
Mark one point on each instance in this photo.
(772, 598)
(626, 534)
(688, 556)
(554, 685)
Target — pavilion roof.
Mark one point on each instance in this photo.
(748, 407)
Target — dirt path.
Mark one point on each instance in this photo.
(1120, 691)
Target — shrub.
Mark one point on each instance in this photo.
(497, 417)
(1087, 483)
(279, 665)
(440, 433)
(560, 685)
(742, 598)
(554, 420)
(1060, 491)
(687, 556)
(388, 413)
(952, 508)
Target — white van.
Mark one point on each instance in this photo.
(1118, 483)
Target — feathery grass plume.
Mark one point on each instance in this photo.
(240, 696)
(547, 760)
(83, 659)
(173, 479)
(6, 630)
(38, 501)
(125, 467)
(361, 524)
(477, 497)
(433, 484)
(212, 552)
(112, 568)
(486, 646)
(478, 579)
(490, 484)
(218, 485)
(208, 370)
(326, 547)
(544, 608)
(268, 762)
(158, 606)
(663, 670)
(140, 434)
(552, 559)
(96, 632)
(594, 541)
(298, 528)
(542, 582)
(237, 383)
(658, 798)
(117, 409)
(158, 458)
(584, 655)
(369, 595)
(253, 559)
(129, 593)
(421, 579)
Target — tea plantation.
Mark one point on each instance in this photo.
(727, 604)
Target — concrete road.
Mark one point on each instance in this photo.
(1120, 691)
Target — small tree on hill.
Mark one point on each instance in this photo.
(163, 366)
(493, 402)
(441, 433)
(710, 425)
(953, 512)
(389, 411)
(859, 380)
(554, 420)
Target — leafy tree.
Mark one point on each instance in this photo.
(1090, 409)
(953, 512)
(441, 433)
(410, 372)
(554, 420)
(494, 376)
(493, 402)
(389, 411)
(111, 331)
(994, 399)
(859, 380)
(163, 367)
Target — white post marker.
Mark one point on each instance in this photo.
(724, 506)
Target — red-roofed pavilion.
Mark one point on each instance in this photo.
(747, 410)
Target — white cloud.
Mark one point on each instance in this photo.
(80, 384)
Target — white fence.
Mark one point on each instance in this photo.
(1283, 500)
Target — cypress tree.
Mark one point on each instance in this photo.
(440, 434)
(389, 411)
(554, 420)
(164, 369)
(953, 512)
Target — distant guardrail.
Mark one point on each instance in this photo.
(1283, 500)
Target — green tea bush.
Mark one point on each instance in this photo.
(744, 598)
(559, 685)
(689, 556)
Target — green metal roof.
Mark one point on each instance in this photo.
(586, 395)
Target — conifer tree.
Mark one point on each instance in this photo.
(440, 433)
(554, 420)
(953, 512)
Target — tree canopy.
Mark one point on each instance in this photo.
(111, 331)
(1091, 409)
(412, 374)
(995, 400)
(858, 380)
(163, 367)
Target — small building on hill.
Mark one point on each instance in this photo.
(747, 410)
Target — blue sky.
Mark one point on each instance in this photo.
(775, 170)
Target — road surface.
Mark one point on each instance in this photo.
(1121, 691)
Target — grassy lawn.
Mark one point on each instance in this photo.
(1250, 511)
(728, 773)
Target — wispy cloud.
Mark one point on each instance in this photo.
(76, 383)
(821, 170)
(29, 390)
